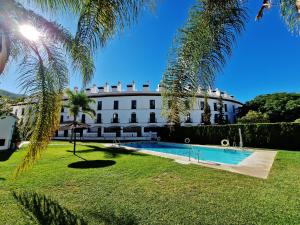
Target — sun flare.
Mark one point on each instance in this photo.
(30, 32)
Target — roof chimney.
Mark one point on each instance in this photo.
(145, 87)
(94, 89)
(106, 87)
(131, 87)
(119, 87)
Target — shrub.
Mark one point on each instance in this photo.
(261, 135)
(254, 117)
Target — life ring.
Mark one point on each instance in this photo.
(225, 142)
(187, 140)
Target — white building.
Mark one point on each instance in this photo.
(7, 126)
(134, 114)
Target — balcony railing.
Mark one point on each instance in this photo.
(131, 120)
(115, 120)
(152, 120)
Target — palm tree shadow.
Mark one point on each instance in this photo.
(45, 210)
(110, 152)
(2, 179)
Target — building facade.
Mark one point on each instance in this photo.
(134, 114)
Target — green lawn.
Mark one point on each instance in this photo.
(133, 188)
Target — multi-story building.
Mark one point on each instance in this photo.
(134, 114)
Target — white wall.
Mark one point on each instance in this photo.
(7, 124)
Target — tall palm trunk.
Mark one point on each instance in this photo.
(74, 134)
(4, 50)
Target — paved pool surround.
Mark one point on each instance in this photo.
(258, 164)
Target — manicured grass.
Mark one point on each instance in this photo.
(142, 189)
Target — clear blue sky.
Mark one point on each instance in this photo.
(265, 58)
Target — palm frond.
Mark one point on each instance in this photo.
(290, 12)
(99, 20)
(201, 49)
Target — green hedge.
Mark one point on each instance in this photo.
(261, 135)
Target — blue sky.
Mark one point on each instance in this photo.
(265, 58)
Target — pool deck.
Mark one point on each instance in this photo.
(258, 164)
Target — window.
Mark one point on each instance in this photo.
(133, 104)
(23, 111)
(188, 118)
(61, 118)
(201, 105)
(116, 104)
(215, 107)
(2, 142)
(115, 118)
(233, 109)
(99, 118)
(99, 133)
(99, 106)
(225, 107)
(16, 112)
(66, 133)
(62, 109)
(83, 118)
(216, 118)
(226, 119)
(133, 118)
(202, 117)
(152, 104)
(152, 118)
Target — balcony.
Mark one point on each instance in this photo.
(115, 120)
(133, 120)
(152, 120)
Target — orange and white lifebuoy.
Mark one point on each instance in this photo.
(225, 142)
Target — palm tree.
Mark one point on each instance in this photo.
(78, 102)
(42, 47)
(205, 42)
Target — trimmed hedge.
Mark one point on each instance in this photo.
(260, 135)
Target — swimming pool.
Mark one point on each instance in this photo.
(217, 155)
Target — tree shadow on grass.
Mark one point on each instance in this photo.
(109, 152)
(2, 179)
(45, 210)
(88, 164)
(108, 216)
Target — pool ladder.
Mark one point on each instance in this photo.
(192, 150)
(117, 143)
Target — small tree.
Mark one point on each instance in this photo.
(78, 102)
(254, 117)
(221, 119)
(207, 112)
(5, 106)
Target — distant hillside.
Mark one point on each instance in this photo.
(10, 94)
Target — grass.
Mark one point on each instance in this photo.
(132, 188)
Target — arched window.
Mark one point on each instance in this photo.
(115, 118)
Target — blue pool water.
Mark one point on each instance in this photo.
(218, 155)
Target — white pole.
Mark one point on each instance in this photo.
(241, 138)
